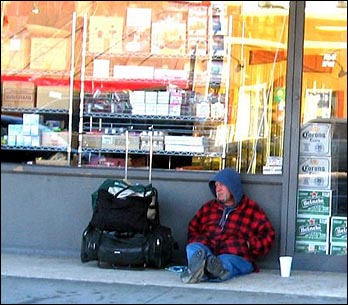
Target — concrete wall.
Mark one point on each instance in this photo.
(44, 210)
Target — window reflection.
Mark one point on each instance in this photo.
(321, 224)
(258, 41)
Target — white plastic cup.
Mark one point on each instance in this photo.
(285, 265)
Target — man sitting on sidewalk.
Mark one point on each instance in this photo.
(227, 233)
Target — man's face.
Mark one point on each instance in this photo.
(223, 194)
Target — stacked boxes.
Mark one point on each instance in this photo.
(175, 102)
(150, 102)
(15, 135)
(316, 157)
(157, 140)
(162, 103)
(31, 129)
(137, 100)
(317, 193)
(33, 133)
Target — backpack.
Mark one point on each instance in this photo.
(122, 207)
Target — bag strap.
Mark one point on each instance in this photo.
(121, 191)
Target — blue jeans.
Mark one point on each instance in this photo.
(234, 264)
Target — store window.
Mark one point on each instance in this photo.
(321, 224)
(81, 77)
(257, 42)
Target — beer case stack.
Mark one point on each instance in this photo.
(319, 227)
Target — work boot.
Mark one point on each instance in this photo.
(215, 269)
(195, 270)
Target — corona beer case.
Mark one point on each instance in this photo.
(315, 139)
(317, 172)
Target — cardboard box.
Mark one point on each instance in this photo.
(54, 139)
(105, 34)
(197, 23)
(50, 54)
(108, 141)
(133, 142)
(15, 53)
(314, 202)
(138, 30)
(92, 140)
(14, 129)
(52, 162)
(312, 247)
(18, 94)
(338, 229)
(101, 68)
(52, 97)
(312, 229)
(185, 140)
(315, 139)
(316, 173)
(167, 39)
(32, 119)
(338, 249)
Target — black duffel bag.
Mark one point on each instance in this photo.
(121, 214)
(122, 250)
(160, 247)
(90, 243)
(152, 249)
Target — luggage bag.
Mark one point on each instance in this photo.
(153, 249)
(128, 219)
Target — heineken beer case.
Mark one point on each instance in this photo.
(315, 202)
(312, 228)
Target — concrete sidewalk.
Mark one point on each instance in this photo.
(303, 283)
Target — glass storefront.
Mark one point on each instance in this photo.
(210, 91)
(321, 224)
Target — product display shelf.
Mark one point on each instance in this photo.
(33, 110)
(34, 148)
